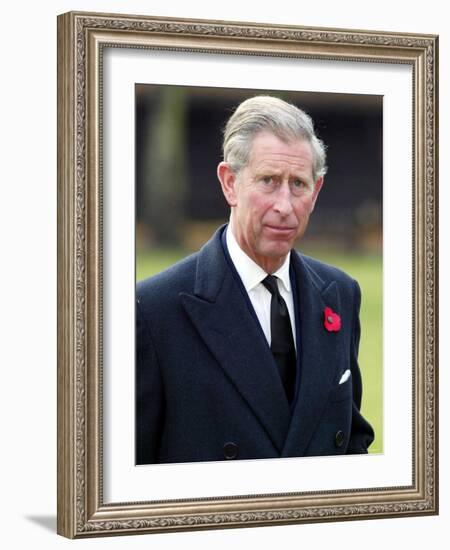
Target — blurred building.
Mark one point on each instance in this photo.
(178, 146)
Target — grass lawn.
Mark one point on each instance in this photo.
(367, 270)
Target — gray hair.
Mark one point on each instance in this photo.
(266, 113)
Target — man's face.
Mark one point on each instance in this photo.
(271, 198)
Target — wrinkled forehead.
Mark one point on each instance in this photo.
(269, 148)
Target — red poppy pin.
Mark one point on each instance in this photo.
(332, 320)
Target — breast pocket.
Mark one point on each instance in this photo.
(341, 392)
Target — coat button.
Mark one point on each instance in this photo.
(230, 450)
(339, 438)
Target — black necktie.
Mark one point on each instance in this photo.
(282, 342)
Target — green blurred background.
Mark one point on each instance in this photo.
(179, 203)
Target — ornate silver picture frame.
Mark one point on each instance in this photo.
(83, 510)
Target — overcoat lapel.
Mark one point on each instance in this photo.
(223, 320)
(320, 351)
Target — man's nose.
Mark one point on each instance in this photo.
(283, 200)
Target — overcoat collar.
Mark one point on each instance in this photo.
(320, 352)
(224, 321)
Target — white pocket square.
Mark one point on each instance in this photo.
(345, 376)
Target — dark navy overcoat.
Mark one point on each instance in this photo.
(207, 386)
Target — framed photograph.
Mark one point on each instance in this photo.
(143, 105)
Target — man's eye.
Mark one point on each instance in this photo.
(267, 180)
(299, 187)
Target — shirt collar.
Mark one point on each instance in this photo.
(250, 272)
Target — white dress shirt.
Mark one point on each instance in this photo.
(252, 275)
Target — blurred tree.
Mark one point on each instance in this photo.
(165, 166)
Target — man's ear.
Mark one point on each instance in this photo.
(228, 180)
(317, 188)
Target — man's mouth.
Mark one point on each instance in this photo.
(280, 228)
